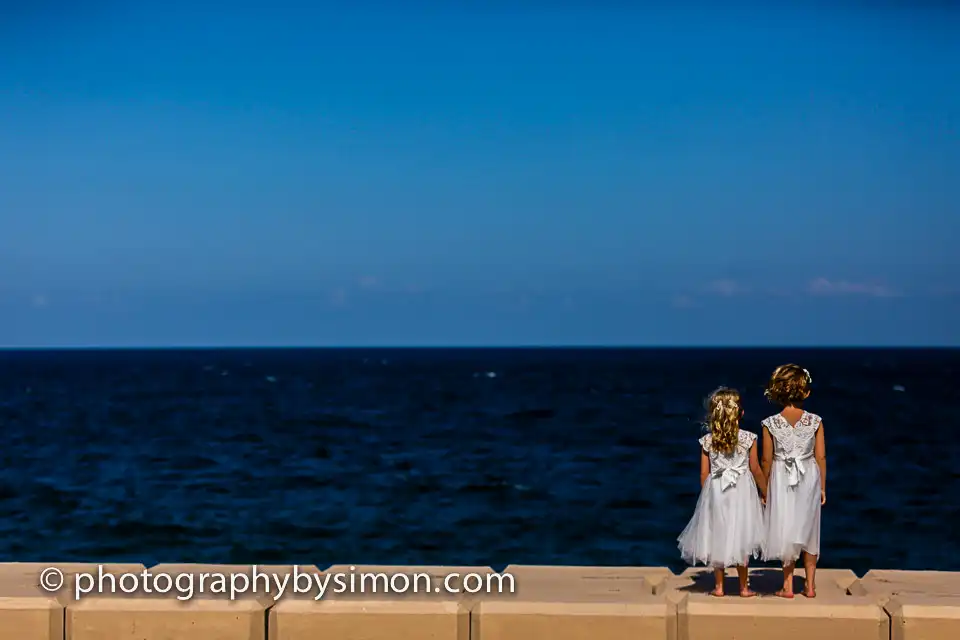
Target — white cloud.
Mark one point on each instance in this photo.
(826, 287)
(726, 287)
(681, 301)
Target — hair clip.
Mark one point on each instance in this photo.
(809, 379)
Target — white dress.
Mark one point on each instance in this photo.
(727, 526)
(793, 490)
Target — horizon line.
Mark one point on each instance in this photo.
(465, 347)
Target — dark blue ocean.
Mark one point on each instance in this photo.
(482, 456)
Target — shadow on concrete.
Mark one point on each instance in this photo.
(763, 581)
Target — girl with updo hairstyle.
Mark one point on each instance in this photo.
(727, 525)
(795, 465)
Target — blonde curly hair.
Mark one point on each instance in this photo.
(790, 384)
(723, 419)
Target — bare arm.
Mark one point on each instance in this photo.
(820, 453)
(704, 467)
(767, 456)
(757, 472)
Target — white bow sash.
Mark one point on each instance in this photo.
(795, 468)
(728, 477)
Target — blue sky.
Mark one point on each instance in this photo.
(503, 173)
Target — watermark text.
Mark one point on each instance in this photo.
(259, 582)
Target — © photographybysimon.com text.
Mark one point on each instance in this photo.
(185, 586)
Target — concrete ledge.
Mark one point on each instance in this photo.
(353, 619)
(378, 613)
(26, 614)
(610, 616)
(412, 575)
(703, 617)
(555, 603)
(209, 615)
(649, 579)
(842, 578)
(762, 580)
(575, 603)
(833, 613)
(884, 583)
(28, 574)
(30, 612)
(146, 618)
(924, 617)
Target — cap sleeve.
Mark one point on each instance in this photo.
(705, 442)
(815, 420)
(747, 438)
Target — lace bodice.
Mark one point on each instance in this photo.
(740, 457)
(793, 441)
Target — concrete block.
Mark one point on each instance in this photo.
(359, 605)
(30, 610)
(207, 611)
(653, 579)
(884, 583)
(26, 613)
(370, 619)
(924, 617)
(576, 609)
(830, 615)
(151, 618)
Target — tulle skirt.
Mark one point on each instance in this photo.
(792, 518)
(727, 526)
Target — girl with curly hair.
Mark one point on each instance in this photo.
(795, 464)
(727, 526)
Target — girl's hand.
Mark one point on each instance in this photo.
(823, 497)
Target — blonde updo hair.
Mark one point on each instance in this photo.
(789, 385)
(723, 419)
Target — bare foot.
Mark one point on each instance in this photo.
(783, 593)
(747, 593)
(810, 593)
(717, 593)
